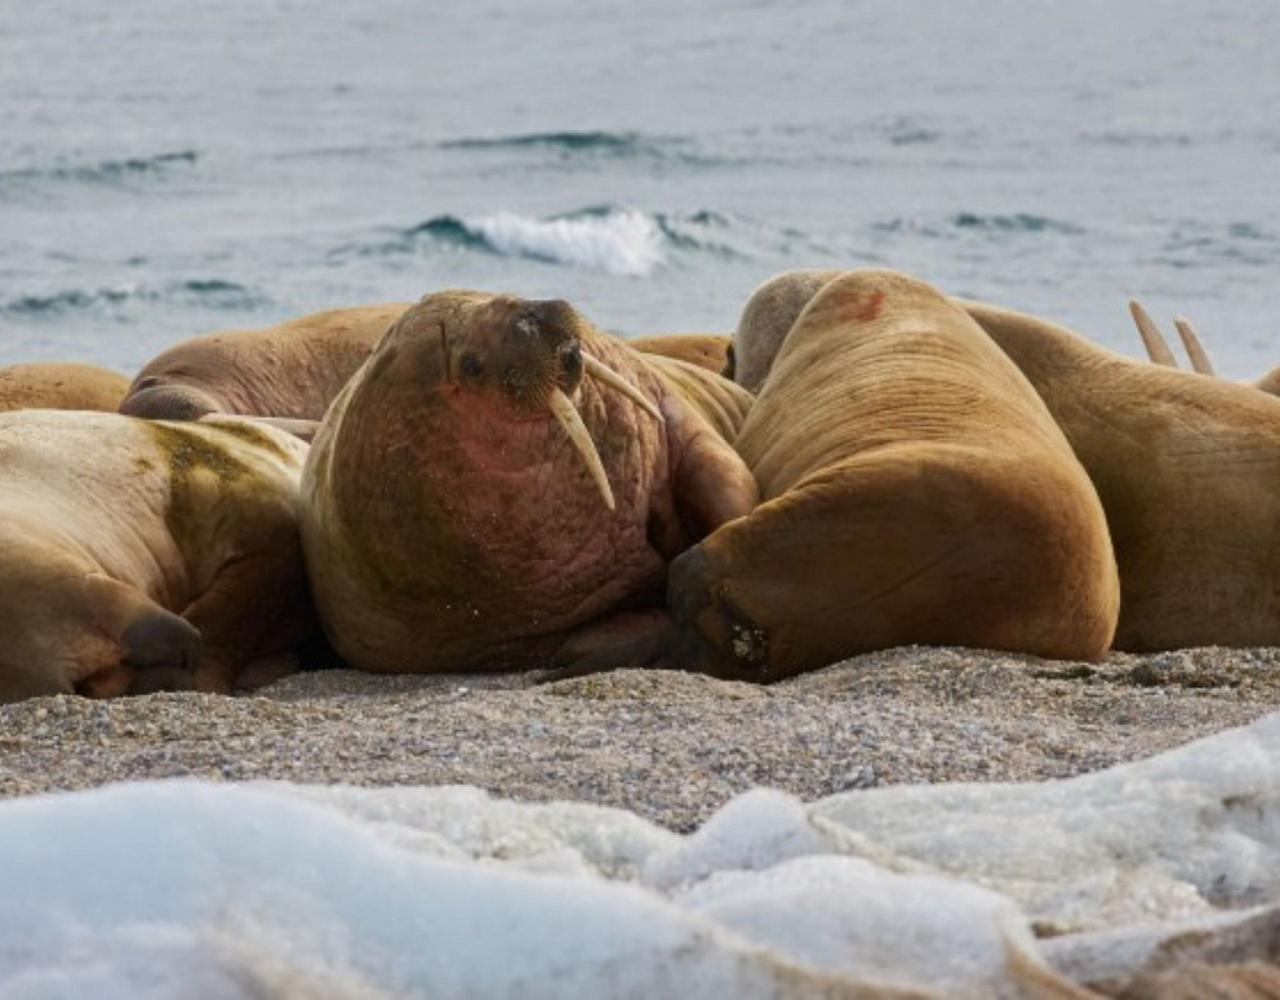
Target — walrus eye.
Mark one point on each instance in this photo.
(471, 365)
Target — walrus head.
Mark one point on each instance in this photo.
(520, 360)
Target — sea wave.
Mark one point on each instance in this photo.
(207, 292)
(1191, 244)
(586, 150)
(625, 242)
(1013, 223)
(107, 171)
(611, 239)
(590, 140)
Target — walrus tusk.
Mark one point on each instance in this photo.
(1195, 350)
(568, 417)
(1157, 348)
(603, 373)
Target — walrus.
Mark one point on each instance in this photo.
(706, 350)
(61, 385)
(291, 371)
(502, 485)
(914, 490)
(1158, 349)
(1187, 468)
(137, 556)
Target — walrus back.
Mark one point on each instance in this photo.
(61, 386)
(916, 490)
(1188, 470)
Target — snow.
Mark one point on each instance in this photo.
(269, 889)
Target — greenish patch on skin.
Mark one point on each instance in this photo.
(192, 461)
(251, 434)
(142, 466)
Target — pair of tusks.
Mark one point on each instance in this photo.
(570, 419)
(1158, 347)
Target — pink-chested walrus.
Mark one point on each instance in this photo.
(292, 370)
(502, 485)
(61, 385)
(139, 555)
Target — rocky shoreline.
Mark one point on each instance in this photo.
(668, 746)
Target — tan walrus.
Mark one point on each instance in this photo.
(1159, 352)
(502, 485)
(706, 350)
(137, 556)
(54, 385)
(1187, 468)
(292, 370)
(914, 490)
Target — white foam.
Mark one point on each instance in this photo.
(622, 242)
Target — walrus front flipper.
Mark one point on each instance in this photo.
(626, 640)
(712, 485)
(633, 640)
(161, 648)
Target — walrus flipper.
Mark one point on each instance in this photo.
(159, 650)
(712, 485)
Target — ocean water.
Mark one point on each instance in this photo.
(169, 169)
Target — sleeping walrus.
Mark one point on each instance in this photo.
(137, 556)
(292, 370)
(54, 385)
(502, 485)
(1187, 468)
(914, 489)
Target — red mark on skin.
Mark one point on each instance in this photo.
(857, 306)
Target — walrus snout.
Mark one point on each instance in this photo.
(156, 400)
(570, 366)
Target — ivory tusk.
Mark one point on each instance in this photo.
(1157, 347)
(601, 372)
(1195, 350)
(567, 416)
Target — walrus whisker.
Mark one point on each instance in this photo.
(1157, 346)
(567, 415)
(603, 373)
(1195, 349)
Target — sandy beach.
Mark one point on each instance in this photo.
(671, 747)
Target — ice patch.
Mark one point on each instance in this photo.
(198, 889)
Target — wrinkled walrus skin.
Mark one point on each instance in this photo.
(136, 556)
(61, 386)
(292, 370)
(914, 490)
(1187, 468)
(451, 523)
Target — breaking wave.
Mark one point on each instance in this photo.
(610, 239)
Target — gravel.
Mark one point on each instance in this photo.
(670, 746)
